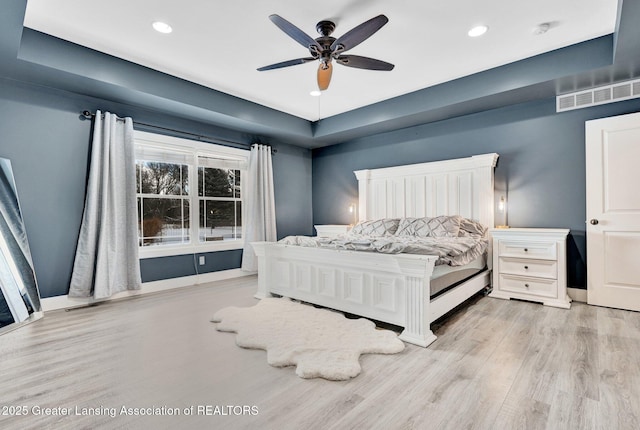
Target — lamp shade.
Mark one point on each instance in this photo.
(325, 70)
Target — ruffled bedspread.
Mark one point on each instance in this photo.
(454, 251)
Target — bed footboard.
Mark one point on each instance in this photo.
(392, 288)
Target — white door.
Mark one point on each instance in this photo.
(613, 211)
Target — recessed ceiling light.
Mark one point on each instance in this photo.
(478, 30)
(162, 27)
(542, 28)
(315, 93)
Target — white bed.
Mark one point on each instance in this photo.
(392, 288)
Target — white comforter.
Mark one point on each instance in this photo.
(454, 251)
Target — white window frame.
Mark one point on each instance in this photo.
(194, 149)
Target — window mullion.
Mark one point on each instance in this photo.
(221, 199)
(194, 213)
(141, 221)
(162, 196)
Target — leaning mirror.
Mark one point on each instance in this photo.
(20, 300)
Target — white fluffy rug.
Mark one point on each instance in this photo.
(320, 342)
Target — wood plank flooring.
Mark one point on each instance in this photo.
(496, 365)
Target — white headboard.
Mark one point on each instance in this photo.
(463, 186)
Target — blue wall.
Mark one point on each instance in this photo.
(292, 182)
(542, 153)
(41, 132)
(176, 266)
(542, 163)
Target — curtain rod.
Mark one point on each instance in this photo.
(88, 115)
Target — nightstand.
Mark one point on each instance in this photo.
(331, 230)
(531, 264)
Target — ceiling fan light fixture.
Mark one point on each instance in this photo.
(162, 27)
(324, 75)
(478, 30)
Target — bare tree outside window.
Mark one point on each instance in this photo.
(163, 203)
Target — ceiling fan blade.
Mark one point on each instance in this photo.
(364, 62)
(294, 32)
(286, 64)
(324, 75)
(358, 34)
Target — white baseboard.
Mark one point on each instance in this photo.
(577, 294)
(66, 302)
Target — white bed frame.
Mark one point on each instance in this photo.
(392, 288)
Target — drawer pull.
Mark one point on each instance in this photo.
(526, 250)
(526, 285)
(526, 267)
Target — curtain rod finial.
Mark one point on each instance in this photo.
(87, 114)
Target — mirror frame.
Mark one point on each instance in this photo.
(11, 214)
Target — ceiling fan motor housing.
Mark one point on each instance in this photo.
(325, 28)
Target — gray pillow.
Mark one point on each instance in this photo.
(440, 226)
(378, 227)
(469, 227)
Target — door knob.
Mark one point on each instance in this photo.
(594, 221)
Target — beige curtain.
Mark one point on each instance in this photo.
(107, 254)
(260, 210)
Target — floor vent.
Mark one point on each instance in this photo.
(597, 96)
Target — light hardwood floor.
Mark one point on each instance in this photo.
(496, 365)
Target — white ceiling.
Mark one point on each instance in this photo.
(220, 44)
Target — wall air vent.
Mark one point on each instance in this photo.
(597, 96)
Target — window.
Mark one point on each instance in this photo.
(189, 195)
(220, 202)
(163, 202)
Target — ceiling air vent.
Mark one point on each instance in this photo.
(621, 91)
(566, 102)
(584, 99)
(597, 96)
(601, 95)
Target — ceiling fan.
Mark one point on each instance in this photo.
(326, 48)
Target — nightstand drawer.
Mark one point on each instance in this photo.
(544, 250)
(528, 267)
(535, 286)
